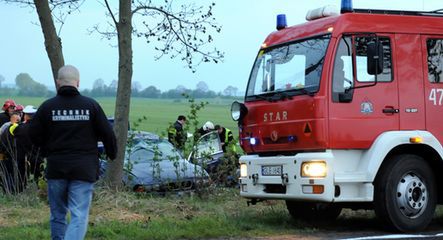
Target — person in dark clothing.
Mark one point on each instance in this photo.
(8, 108)
(226, 138)
(207, 127)
(5, 117)
(176, 135)
(19, 110)
(67, 128)
(14, 119)
(19, 152)
(26, 151)
(13, 167)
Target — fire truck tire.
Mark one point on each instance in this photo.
(313, 211)
(405, 193)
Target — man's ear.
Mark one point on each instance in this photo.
(57, 84)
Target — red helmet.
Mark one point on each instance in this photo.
(8, 103)
(19, 108)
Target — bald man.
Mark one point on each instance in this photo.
(67, 127)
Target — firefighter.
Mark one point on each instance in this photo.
(13, 119)
(13, 167)
(226, 139)
(207, 127)
(26, 151)
(5, 116)
(8, 108)
(176, 134)
(19, 109)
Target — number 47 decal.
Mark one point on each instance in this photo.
(436, 96)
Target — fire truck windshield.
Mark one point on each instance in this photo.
(294, 68)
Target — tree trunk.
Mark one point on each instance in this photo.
(124, 30)
(52, 41)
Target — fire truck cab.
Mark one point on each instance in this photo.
(346, 111)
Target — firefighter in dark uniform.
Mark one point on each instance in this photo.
(226, 139)
(226, 170)
(5, 116)
(26, 151)
(12, 167)
(176, 134)
(8, 108)
(22, 156)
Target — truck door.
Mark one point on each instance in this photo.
(409, 70)
(359, 112)
(432, 47)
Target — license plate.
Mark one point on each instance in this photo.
(275, 170)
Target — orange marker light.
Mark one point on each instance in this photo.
(313, 189)
(318, 189)
(416, 140)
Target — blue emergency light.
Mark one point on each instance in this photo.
(346, 6)
(281, 21)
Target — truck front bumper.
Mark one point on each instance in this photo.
(346, 177)
(289, 184)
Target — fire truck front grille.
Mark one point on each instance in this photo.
(275, 188)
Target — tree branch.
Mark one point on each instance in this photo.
(110, 12)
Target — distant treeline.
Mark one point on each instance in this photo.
(26, 86)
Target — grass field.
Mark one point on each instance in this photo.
(139, 216)
(219, 214)
(160, 112)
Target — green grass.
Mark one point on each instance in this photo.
(160, 112)
(221, 213)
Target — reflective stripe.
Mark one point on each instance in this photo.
(230, 144)
(12, 128)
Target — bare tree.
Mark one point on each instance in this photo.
(182, 33)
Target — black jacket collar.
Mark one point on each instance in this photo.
(68, 91)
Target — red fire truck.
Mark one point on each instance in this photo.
(346, 111)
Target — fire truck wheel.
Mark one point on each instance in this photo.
(313, 211)
(405, 193)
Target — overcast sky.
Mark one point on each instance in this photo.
(245, 24)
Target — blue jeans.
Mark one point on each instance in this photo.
(72, 195)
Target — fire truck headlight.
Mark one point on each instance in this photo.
(243, 170)
(238, 111)
(313, 169)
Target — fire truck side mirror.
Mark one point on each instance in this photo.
(375, 58)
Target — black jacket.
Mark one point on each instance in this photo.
(4, 118)
(67, 127)
(15, 146)
(177, 136)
